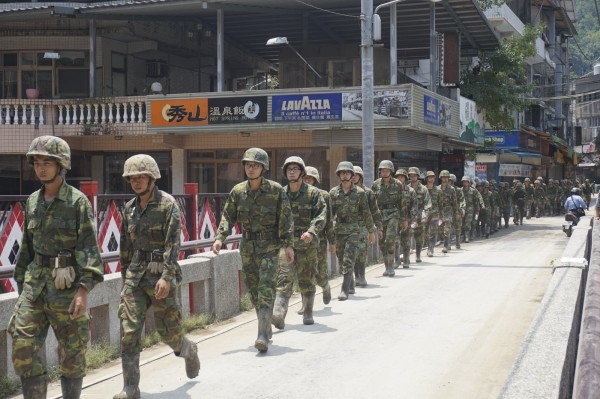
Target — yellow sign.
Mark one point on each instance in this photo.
(176, 113)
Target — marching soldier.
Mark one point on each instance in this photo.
(423, 210)
(57, 265)
(262, 208)
(388, 192)
(150, 234)
(309, 213)
(350, 210)
(460, 198)
(361, 260)
(471, 206)
(312, 178)
(539, 198)
(506, 203)
(448, 207)
(518, 200)
(528, 197)
(408, 216)
(434, 218)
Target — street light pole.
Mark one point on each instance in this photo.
(366, 52)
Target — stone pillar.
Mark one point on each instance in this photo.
(178, 171)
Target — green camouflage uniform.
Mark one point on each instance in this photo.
(423, 210)
(144, 230)
(518, 200)
(506, 204)
(350, 211)
(322, 276)
(553, 197)
(389, 201)
(266, 219)
(448, 208)
(408, 214)
(309, 213)
(539, 196)
(486, 218)
(66, 223)
(496, 209)
(458, 217)
(361, 260)
(476, 221)
(528, 200)
(471, 209)
(434, 216)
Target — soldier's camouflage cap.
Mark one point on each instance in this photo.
(493, 182)
(294, 159)
(429, 173)
(466, 178)
(519, 185)
(358, 171)
(527, 179)
(452, 177)
(402, 172)
(386, 165)
(141, 164)
(313, 172)
(413, 170)
(444, 173)
(53, 147)
(344, 166)
(256, 155)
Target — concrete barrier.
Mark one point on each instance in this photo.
(545, 366)
(210, 285)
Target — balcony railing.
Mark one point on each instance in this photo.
(504, 19)
(119, 111)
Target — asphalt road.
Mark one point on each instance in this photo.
(449, 327)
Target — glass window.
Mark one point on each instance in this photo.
(9, 59)
(27, 59)
(10, 175)
(73, 83)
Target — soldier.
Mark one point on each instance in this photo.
(434, 218)
(388, 192)
(552, 197)
(539, 198)
(476, 225)
(309, 213)
(471, 206)
(518, 200)
(528, 197)
(496, 205)
(423, 210)
(448, 207)
(460, 198)
(150, 234)
(361, 260)
(312, 178)
(262, 208)
(488, 201)
(505, 203)
(586, 190)
(350, 210)
(57, 265)
(408, 217)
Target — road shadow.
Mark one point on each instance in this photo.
(316, 328)
(325, 312)
(355, 297)
(180, 392)
(475, 265)
(274, 350)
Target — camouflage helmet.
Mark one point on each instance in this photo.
(402, 172)
(53, 147)
(452, 177)
(429, 173)
(358, 171)
(519, 185)
(540, 178)
(312, 172)
(413, 170)
(527, 179)
(296, 160)
(466, 178)
(141, 164)
(386, 165)
(344, 166)
(486, 183)
(257, 155)
(492, 182)
(444, 173)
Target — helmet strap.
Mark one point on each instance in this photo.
(58, 174)
(147, 190)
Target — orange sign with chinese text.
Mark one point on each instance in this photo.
(176, 113)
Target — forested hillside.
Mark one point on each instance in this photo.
(585, 47)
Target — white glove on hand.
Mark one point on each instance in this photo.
(156, 267)
(63, 277)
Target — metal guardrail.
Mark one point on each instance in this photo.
(587, 367)
(7, 271)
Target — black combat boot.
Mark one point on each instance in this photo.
(430, 248)
(326, 293)
(397, 259)
(280, 310)
(391, 272)
(301, 310)
(35, 387)
(360, 277)
(458, 241)
(71, 387)
(345, 287)
(309, 299)
(131, 376)
(352, 284)
(406, 260)
(264, 321)
(446, 245)
(386, 272)
(189, 351)
(418, 249)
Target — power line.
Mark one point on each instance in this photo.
(328, 11)
(580, 50)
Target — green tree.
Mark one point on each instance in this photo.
(584, 48)
(498, 84)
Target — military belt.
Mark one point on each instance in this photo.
(50, 261)
(261, 235)
(387, 206)
(347, 219)
(148, 256)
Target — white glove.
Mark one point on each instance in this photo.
(156, 267)
(63, 277)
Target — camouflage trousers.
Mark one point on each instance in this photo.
(303, 268)
(363, 248)
(135, 302)
(405, 239)
(467, 222)
(259, 271)
(431, 227)
(457, 224)
(505, 211)
(446, 227)
(40, 306)
(322, 274)
(391, 229)
(528, 203)
(420, 234)
(346, 247)
(518, 212)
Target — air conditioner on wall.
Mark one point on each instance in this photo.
(157, 69)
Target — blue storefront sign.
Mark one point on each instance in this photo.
(502, 139)
(318, 107)
(430, 110)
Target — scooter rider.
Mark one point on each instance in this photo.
(574, 203)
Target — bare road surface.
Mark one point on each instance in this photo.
(449, 327)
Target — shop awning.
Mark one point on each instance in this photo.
(524, 154)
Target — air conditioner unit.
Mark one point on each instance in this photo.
(157, 69)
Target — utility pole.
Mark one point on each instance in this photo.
(366, 55)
